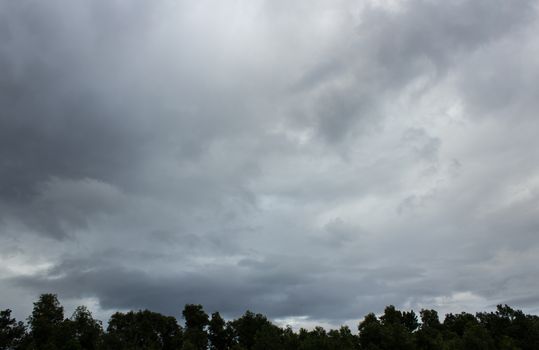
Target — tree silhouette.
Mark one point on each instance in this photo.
(143, 330)
(12, 333)
(196, 321)
(246, 327)
(429, 335)
(504, 329)
(85, 330)
(219, 334)
(46, 323)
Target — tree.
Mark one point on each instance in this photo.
(246, 327)
(397, 329)
(342, 339)
(317, 339)
(429, 335)
(269, 337)
(477, 337)
(504, 329)
(12, 332)
(459, 323)
(45, 322)
(511, 328)
(218, 333)
(196, 321)
(86, 330)
(370, 332)
(290, 339)
(143, 330)
(392, 332)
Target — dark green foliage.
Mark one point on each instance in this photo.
(219, 333)
(290, 339)
(503, 329)
(143, 330)
(318, 338)
(429, 336)
(371, 334)
(343, 339)
(11, 332)
(196, 321)
(86, 332)
(457, 324)
(393, 331)
(315, 339)
(511, 328)
(269, 337)
(477, 337)
(46, 331)
(246, 327)
(187, 345)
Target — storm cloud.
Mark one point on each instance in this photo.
(313, 161)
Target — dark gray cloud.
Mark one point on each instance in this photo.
(279, 286)
(156, 154)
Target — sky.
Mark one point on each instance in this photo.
(310, 160)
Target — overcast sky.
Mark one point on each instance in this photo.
(310, 160)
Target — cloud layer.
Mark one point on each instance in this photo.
(311, 161)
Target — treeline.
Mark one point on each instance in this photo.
(48, 329)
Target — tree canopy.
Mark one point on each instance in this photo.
(48, 329)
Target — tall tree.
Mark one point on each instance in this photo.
(87, 331)
(246, 326)
(429, 335)
(218, 333)
(196, 320)
(370, 332)
(46, 322)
